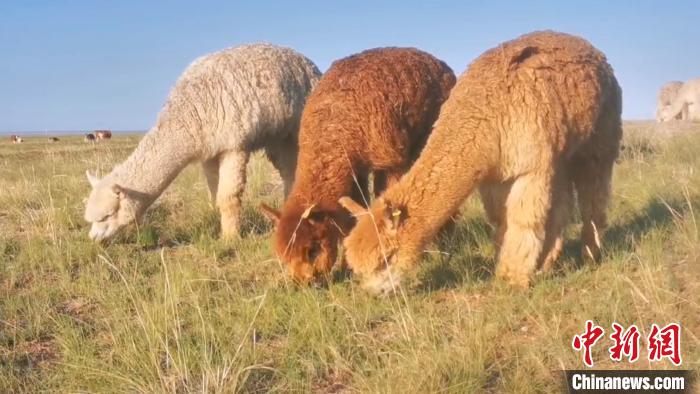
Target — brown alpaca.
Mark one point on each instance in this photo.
(371, 112)
(525, 123)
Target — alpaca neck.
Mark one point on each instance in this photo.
(446, 173)
(153, 165)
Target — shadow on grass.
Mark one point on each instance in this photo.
(457, 260)
(152, 234)
(460, 262)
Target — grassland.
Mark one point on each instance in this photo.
(167, 307)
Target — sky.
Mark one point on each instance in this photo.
(82, 65)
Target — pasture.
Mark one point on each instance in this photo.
(167, 307)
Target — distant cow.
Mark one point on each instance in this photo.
(53, 139)
(16, 139)
(89, 137)
(103, 134)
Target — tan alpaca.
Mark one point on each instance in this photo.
(224, 106)
(528, 121)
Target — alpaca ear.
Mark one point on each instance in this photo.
(92, 178)
(313, 216)
(307, 212)
(272, 214)
(394, 215)
(352, 207)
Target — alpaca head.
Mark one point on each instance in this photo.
(668, 113)
(372, 248)
(108, 208)
(306, 241)
(665, 114)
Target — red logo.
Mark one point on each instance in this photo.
(662, 343)
(626, 343)
(586, 341)
(665, 343)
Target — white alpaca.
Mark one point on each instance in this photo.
(685, 105)
(224, 106)
(667, 94)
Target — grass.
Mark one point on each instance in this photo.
(168, 307)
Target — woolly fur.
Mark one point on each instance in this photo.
(526, 123)
(371, 112)
(667, 94)
(224, 106)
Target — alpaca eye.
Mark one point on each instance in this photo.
(313, 252)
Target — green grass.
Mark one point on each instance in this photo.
(168, 307)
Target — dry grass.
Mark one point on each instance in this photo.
(169, 308)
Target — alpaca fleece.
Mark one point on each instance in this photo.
(371, 112)
(685, 105)
(526, 123)
(223, 107)
(667, 94)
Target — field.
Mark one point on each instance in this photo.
(167, 307)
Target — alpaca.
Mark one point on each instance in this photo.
(525, 123)
(667, 94)
(685, 105)
(371, 112)
(53, 139)
(89, 137)
(224, 106)
(16, 139)
(103, 134)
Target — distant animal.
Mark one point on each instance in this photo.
(667, 94)
(103, 134)
(53, 139)
(526, 123)
(685, 105)
(224, 106)
(371, 112)
(16, 139)
(89, 137)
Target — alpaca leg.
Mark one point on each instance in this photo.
(283, 157)
(592, 179)
(232, 179)
(493, 197)
(557, 221)
(211, 173)
(527, 206)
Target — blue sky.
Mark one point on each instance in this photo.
(74, 65)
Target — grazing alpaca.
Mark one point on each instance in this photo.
(371, 112)
(667, 94)
(225, 106)
(525, 122)
(103, 134)
(685, 105)
(89, 137)
(53, 139)
(16, 139)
